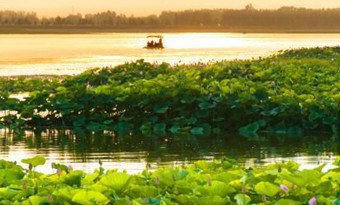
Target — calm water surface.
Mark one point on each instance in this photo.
(133, 152)
(26, 54)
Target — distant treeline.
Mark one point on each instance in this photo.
(249, 17)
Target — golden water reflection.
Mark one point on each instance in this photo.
(59, 54)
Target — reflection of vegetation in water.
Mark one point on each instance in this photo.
(112, 147)
(287, 93)
(218, 182)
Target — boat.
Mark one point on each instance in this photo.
(155, 42)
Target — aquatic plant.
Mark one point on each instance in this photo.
(22, 84)
(215, 182)
(287, 93)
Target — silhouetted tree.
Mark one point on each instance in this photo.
(249, 17)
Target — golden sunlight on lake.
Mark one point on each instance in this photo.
(73, 53)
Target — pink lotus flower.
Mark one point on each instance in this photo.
(312, 201)
(59, 171)
(70, 167)
(284, 188)
(88, 86)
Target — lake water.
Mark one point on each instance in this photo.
(133, 152)
(26, 54)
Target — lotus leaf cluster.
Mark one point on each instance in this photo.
(202, 183)
(22, 84)
(289, 93)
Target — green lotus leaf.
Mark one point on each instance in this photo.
(108, 122)
(315, 114)
(336, 162)
(73, 178)
(161, 109)
(216, 188)
(137, 191)
(90, 178)
(116, 181)
(208, 200)
(35, 200)
(242, 199)
(175, 129)
(324, 187)
(217, 99)
(276, 111)
(35, 161)
(90, 198)
(8, 176)
(267, 188)
(328, 120)
(287, 202)
(65, 193)
(303, 178)
(206, 105)
(185, 199)
(197, 131)
(204, 165)
(60, 166)
(183, 187)
(159, 128)
(337, 202)
(123, 202)
(147, 126)
(168, 177)
(227, 177)
(191, 121)
(188, 100)
(7, 193)
(123, 126)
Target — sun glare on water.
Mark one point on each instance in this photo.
(73, 54)
(207, 40)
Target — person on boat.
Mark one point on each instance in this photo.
(152, 44)
(160, 43)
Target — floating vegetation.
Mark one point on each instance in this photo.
(288, 93)
(217, 182)
(20, 84)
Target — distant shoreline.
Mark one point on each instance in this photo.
(146, 29)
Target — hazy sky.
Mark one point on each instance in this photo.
(145, 7)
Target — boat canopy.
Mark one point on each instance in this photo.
(155, 36)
